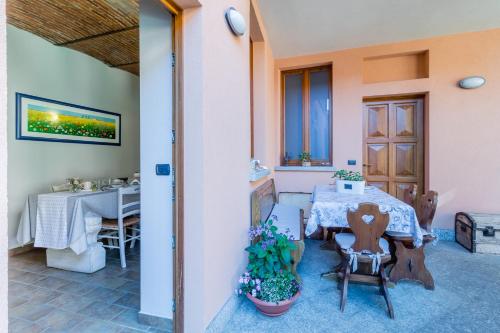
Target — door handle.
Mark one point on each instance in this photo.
(367, 165)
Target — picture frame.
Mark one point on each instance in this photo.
(43, 119)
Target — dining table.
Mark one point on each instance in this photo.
(57, 220)
(329, 210)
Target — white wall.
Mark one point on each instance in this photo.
(156, 148)
(37, 67)
(3, 171)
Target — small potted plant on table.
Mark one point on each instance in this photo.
(268, 281)
(349, 182)
(305, 157)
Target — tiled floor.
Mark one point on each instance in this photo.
(466, 299)
(47, 300)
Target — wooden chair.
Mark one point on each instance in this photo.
(409, 195)
(363, 247)
(265, 206)
(129, 209)
(409, 260)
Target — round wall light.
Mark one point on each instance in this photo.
(236, 21)
(472, 82)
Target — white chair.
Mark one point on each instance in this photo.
(129, 209)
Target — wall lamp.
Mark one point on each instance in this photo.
(236, 21)
(472, 82)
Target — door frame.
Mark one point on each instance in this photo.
(425, 96)
(177, 167)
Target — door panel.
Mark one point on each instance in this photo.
(380, 185)
(405, 159)
(378, 159)
(156, 114)
(405, 119)
(393, 140)
(377, 121)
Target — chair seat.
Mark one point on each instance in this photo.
(405, 235)
(287, 217)
(127, 222)
(345, 241)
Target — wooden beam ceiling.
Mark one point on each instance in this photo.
(104, 29)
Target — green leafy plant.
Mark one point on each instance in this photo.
(268, 276)
(270, 252)
(348, 175)
(279, 288)
(305, 156)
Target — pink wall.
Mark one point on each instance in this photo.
(217, 153)
(463, 164)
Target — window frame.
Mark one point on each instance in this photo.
(306, 112)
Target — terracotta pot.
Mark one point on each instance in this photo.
(273, 309)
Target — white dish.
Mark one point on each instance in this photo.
(85, 190)
(116, 185)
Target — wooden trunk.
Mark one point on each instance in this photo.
(478, 232)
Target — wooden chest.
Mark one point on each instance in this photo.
(478, 232)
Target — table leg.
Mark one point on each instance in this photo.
(329, 243)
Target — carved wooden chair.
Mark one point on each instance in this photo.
(265, 206)
(365, 250)
(410, 260)
(409, 195)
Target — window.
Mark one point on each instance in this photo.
(306, 115)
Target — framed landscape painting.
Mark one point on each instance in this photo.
(45, 119)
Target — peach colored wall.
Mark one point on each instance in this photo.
(463, 163)
(216, 86)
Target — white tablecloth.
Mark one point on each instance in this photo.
(57, 220)
(329, 209)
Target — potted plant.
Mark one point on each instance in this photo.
(349, 181)
(268, 281)
(305, 157)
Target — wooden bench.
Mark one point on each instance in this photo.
(265, 206)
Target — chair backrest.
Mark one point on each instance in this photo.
(60, 188)
(426, 208)
(297, 199)
(410, 194)
(129, 201)
(263, 200)
(367, 224)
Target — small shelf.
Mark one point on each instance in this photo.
(254, 176)
(307, 169)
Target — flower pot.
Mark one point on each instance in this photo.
(306, 163)
(349, 186)
(273, 309)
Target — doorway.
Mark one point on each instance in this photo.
(393, 143)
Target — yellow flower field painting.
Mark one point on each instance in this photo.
(42, 119)
(51, 121)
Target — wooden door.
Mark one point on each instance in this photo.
(393, 144)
